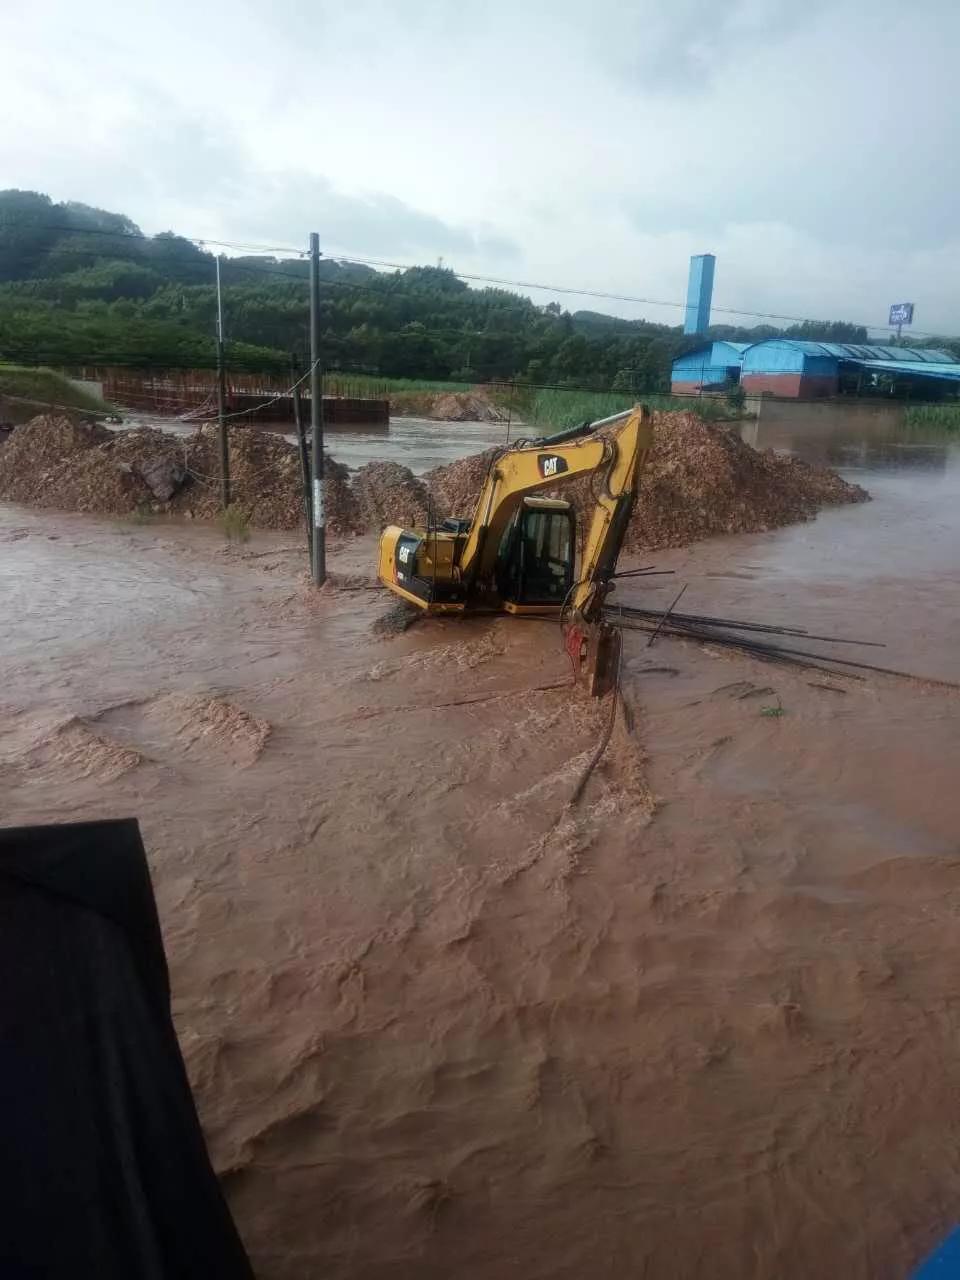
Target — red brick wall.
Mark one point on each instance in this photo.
(794, 386)
(685, 388)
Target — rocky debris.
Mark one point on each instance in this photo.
(55, 461)
(701, 480)
(265, 482)
(62, 463)
(388, 493)
(163, 476)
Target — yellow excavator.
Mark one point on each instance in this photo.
(517, 552)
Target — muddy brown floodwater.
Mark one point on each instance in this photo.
(439, 1024)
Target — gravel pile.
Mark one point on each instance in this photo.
(388, 493)
(700, 480)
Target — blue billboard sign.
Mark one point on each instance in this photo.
(901, 313)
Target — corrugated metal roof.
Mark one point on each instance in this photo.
(863, 351)
(919, 369)
(716, 342)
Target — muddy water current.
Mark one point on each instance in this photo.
(417, 443)
(439, 1023)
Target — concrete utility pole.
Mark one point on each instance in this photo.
(316, 418)
(221, 402)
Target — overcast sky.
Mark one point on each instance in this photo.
(812, 146)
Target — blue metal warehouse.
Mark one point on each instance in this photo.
(712, 366)
(803, 370)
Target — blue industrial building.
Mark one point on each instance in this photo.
(797, 369)
(711, 367)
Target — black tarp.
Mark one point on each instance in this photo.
(104, 1174)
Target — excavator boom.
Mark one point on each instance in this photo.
(552, 463)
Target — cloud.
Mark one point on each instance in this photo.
(683, 47)
(813, 151)
(372, 224)
(169, 170)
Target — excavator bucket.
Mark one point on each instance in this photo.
(594, 650)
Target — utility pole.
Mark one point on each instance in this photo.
(316, 418)
(221, 402)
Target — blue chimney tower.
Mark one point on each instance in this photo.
(699, 293)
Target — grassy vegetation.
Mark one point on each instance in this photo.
(361, 384)
(234, 523)
(45, 387)
(942, 417)
(546, 407)
(561, 409)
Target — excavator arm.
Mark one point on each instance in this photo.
(615, 460)
(615, 496)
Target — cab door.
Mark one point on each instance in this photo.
(535, 566)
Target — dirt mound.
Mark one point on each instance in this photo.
(455, 487)
(264, 481)
(55, 461)
(470, 406)
(701, 480)
(60, 463)
(448, 406)
(388, 493)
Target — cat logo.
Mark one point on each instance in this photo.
(403, 555)
(550, 465)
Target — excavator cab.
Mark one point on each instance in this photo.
(535, 560)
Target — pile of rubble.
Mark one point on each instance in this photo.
(700, 480)
(456, 485)
(448, 406)
(56, 462)
(388, 493)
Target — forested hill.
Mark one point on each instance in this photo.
(80, 285)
